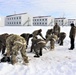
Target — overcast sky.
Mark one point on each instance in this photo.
(54, 8)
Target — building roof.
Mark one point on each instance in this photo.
(41, 16)
(61, 18)
(16, 14)
(71, 19)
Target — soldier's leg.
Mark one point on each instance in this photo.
(36, 52)
(31, 48)
(23, 53)
(72, 43)
(9, 49)
(3, 49)
(13, 59)
(40, 53)
(52, 44)
(14, 53)
(61, 43)
(0, 47)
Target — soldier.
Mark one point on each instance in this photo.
(52, 39)
(15, 43)
(3, 38)
(72, 36)
(49, 32)
(38, 32)
(37, 45)
(62, 36)
(56, 29)
(33, 42)
(26, 36)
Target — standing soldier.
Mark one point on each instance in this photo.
(56, 29)
(38, 32)
(15, 43)
(72, 36)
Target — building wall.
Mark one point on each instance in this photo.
(60, 21)
(71, 21)
(42, 21)
(18, 20)
(50, 21)
(27, 20)
(2, 21)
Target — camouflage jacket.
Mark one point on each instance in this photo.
(72, 32)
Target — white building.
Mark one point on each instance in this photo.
(43, 21)
(2, 21)
(61, 21)
(71, 21)
(22, 19)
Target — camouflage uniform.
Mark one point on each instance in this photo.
(56, 29)
(62, 36)
(37, 45)
(26, 36)
(15, 43)
(3, 38)
(49, 32)
(33, 42)
(38, 32)
(72, 36)
(52, 39)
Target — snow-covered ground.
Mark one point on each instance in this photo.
(59, 61)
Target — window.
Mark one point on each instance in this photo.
(14, 17)
(46, 23)
(45, 19)
(20, 17)
(17, 17)
(37, 23)
(8, 22)
(42, 23)
(19, 22)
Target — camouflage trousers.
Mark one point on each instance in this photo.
(52, 44)
(13, 51)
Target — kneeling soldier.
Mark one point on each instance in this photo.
(15, 43)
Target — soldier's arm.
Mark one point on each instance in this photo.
(42, 36)
(73, 33)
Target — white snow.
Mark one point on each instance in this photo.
(59, 61)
